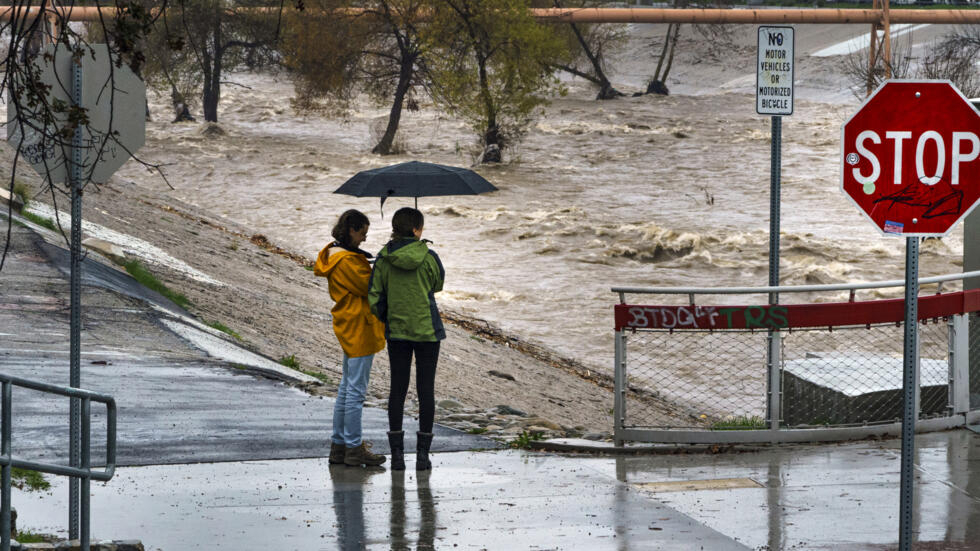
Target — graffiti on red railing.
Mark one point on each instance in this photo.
(703, 317)
(825, 314)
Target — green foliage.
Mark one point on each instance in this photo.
(524, 439)
(40, 220)
(477, 430)
(323, 378)
(190, 46)
(335, 54)
(741, 422)
(31, 481)
(149, 281)
(21, 190)
(224, 329)
(490, 64)
(27, 536)
(289, 361)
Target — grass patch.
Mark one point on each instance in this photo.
(223, 328)
(240, 366)
(477, 430)
(21, 190)
(308, 268)
(291, 362)
(524, 439)
(26, 536)
(741, 422)
(25, 479)
(323, 378)
(42, 221)
(148, 280)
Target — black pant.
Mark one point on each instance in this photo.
(400, 358)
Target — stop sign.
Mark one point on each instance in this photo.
(910, 157)
(115, 103)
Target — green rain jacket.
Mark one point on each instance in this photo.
(404, 281)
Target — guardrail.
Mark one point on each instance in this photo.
(7, 461)
(790, 372)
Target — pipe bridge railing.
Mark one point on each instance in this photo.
(701, 373)
(85, 472)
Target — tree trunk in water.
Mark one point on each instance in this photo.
(663, 52)
(492, 148)
(212, 77)
(673, 47)
(404, 81)
(606, 90)
(492, 140)
(211, 97)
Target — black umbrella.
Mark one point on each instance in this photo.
(415, 179)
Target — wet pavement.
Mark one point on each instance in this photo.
(842, 496)
(185, 392)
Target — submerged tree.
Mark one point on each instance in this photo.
(334, 53)
(198, 41)
(867, 73)
(954, 58)
(717, 36)
(588, 48)
(492, 64)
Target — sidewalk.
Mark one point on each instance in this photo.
(842, 496)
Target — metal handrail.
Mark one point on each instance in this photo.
(786, 288)
(7, 382)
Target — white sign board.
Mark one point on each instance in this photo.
(115, 102)
(774, 72)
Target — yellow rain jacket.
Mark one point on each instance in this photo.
(360, 333)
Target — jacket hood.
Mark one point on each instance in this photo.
(326, 262)
(407, 254)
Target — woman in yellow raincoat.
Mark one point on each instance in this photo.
(361, 335)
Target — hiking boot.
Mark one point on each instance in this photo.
(422, 446)
(361, 455)
(396, 439)
(337, 452)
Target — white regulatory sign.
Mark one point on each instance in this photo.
(774, 72)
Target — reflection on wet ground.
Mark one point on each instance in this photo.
(838, 496)
(405, 531)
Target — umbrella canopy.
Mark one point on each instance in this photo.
(415, 179)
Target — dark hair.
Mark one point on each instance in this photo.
(350, 220)
(405, 221)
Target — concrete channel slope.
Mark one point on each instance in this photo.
(185, 393)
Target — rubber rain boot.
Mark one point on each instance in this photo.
(422, 446)
(396, 440)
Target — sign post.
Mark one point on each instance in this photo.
(774, 96)
(909, 162)
(114, 99)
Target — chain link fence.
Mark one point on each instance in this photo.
(974, 360)
(840, 376)
(712, 375)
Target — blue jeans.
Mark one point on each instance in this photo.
(350, 400)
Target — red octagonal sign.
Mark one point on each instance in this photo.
(910, 157)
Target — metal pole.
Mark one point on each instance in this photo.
(619, 395)
(774, 200)
(86, 464)
(76, 318)
(772, 358)
(5, 451)
(909, 383)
